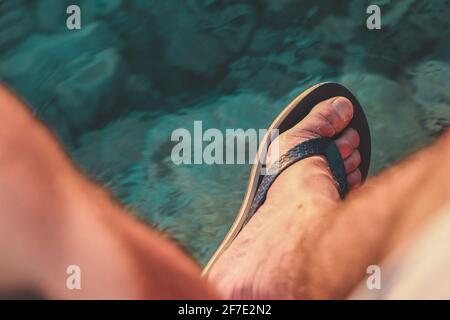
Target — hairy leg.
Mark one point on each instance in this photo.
(52, 217)
(338, 246)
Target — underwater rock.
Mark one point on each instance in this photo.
(234, 26)
(140, 93)
(30, 68)
(282, 13)
(278, 73)
(262, 75)
(200, 38)
(430, 84)
(142, 46)
(265, 41)
(98, 149)
(101, 7)
(76, 63)
(93, 11)
(16, 23)
(278, 7)
(51, 15)
(411, 29)
(91, 90)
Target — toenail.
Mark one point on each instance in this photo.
(342, 106)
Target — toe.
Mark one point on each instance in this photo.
(352, 162)
(354, 179)
(348, 142)
(328, 118)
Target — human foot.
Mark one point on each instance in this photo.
(256, 265)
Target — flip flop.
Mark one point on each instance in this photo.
(297, 110)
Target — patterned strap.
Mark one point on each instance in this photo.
(320, 146)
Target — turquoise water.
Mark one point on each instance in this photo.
(138, 69)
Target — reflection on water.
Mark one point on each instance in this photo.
(138, 69)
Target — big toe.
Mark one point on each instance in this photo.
(328, 118)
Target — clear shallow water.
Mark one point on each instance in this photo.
(115, 90)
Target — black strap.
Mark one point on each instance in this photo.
(319, 146)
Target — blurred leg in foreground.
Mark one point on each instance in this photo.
(52, 217)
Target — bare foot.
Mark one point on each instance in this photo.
(261, 262)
